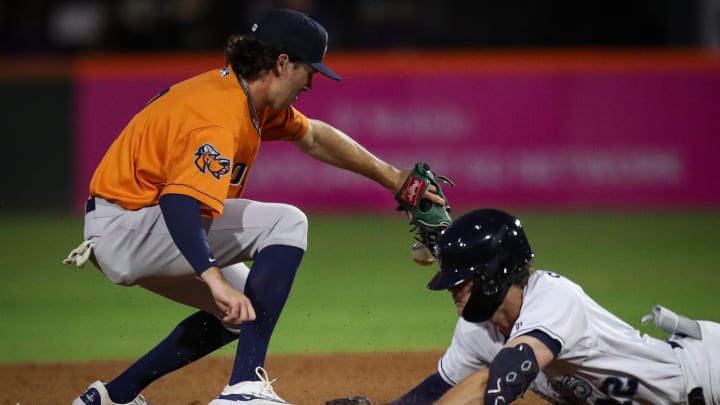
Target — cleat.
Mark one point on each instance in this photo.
(96, 394)
(250, 392)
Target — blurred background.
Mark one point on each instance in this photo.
(597, 122)
(44, 48)
(57, 26)
(462, 72)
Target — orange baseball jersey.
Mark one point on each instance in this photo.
(195, 138)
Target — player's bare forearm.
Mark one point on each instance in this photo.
(330, 145)
(471, 390)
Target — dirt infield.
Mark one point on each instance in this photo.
(301, 379)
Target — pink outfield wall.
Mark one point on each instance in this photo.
(541, 130)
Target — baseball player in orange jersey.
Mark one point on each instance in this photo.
(165, 210)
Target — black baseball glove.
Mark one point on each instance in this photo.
(427, 218)
(350, 401)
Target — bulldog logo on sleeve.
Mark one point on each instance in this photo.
(207, 159)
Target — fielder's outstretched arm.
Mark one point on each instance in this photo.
(330, 145)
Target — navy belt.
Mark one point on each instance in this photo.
(90, 205)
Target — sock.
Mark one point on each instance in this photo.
(193, 338)
(268, 286)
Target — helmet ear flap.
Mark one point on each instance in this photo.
(480, 306)
(490, 288)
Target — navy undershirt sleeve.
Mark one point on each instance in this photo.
(551, 343)
(427, 392)
(184, 222)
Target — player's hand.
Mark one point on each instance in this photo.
(417, 196)
(431, 193)
(235, 306)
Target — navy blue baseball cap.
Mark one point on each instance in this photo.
(297, 34)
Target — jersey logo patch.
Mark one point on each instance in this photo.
(207, 159)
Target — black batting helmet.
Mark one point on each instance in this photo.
(488, 246)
